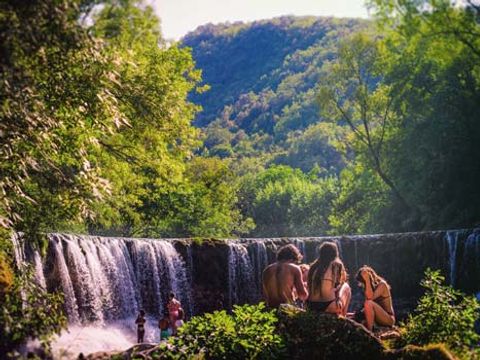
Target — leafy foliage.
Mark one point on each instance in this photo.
(55, 104)
(249, 333)
(29, 312)
(259, 104)
(400, 102)
(286, 202)
(443, 315)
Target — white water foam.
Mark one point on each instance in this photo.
(117, 336)
(90, 339)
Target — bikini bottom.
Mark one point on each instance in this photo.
(318, 306)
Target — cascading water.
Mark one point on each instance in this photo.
(241, 284)
(452, 240)
(105, 281)
(300, 244)
(257, 251)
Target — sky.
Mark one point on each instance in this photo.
(181, 16)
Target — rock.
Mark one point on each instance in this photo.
(145, 351)
(429, 352)
(101, 355)
(387, 333)
(312, 335)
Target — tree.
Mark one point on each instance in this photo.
(353, 94)
(287, 202)
(433, 71)
(148, 157)
(55, 106)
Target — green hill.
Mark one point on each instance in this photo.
(263, 77)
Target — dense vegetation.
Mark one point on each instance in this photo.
(382, 116)
(310, 125)
(443, 315)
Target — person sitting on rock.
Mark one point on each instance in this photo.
(282, 280)
(327, 282)
(173, 307)
(140, 321)
(378, 306)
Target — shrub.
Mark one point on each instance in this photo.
(28, 312)
(443, 315)
(248, 333)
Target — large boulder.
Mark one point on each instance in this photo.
(429, 352)
(311, 335)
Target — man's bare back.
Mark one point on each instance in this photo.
(279, 282)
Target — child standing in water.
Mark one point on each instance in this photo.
(164, 324)
(140, 326)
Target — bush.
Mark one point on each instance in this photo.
(28, 312)
(248, 333)
(443, 315)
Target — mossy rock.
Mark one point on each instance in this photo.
(311, 335)
(428, 352)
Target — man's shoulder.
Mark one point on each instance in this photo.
(270, 267)
(293, 266)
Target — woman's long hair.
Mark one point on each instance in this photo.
(375, 279)
(327, 252)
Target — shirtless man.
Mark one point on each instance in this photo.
(282, 279)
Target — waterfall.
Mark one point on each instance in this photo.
(452, 240)
(471, 254)
(300, 245)
(241, 283)
(470, 267)
(109, 279)
(257, 251)
(23, 256)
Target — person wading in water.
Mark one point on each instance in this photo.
(140, 321)
(173, 307)
(283, 279)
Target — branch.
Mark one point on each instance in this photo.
(120, 154)
(350, 122)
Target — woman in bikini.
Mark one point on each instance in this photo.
(327, 282)
(378, 307)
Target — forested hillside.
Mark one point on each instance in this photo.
(343, 125)
(263, 78)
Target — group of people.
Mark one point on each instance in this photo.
(168, 325)
(323, 286)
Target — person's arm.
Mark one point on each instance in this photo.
(379, 291)
(299, 284)
(368, 286)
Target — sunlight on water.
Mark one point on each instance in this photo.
(89, 339)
